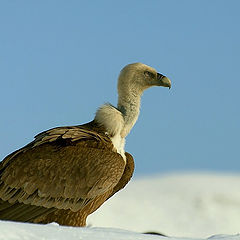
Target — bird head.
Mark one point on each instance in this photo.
(138, 77)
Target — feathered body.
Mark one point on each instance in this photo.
(67, 173)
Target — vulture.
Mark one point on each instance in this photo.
(67, 173)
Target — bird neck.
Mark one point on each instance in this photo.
(119, 121)
(129, 106)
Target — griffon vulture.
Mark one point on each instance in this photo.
(67, 173)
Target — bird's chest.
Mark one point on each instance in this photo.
(119, 144)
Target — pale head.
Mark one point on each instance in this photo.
(137, 77)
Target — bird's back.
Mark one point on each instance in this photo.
(65, 174)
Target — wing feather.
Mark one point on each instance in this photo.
(62, 168)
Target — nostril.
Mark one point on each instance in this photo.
(160, 76)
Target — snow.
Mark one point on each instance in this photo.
(182, 206)
(189, 205)
(27, 231)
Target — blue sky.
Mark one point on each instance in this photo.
(60, 60)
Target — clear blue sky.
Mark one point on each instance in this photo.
(59, 60)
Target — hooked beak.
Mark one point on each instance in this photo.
(163, 81)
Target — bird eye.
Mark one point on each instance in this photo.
(149, 74)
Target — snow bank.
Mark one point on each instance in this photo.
(26, 231)
(189, 205)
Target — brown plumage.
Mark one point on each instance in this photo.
(67, 173)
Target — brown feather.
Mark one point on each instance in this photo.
(64, 175)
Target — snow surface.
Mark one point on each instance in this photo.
(27, 231)
(182, 205)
